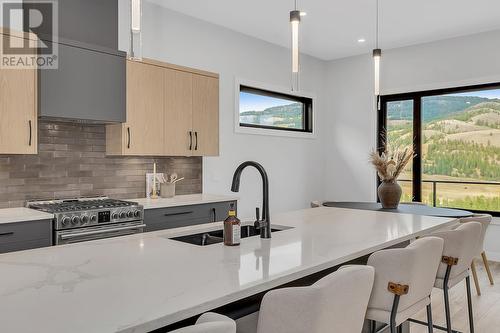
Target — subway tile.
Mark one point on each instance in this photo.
(72, 162)
(53, 173)
(66, 194)
(24, 174)
(19, 203)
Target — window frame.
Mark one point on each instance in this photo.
(307, 99)
(417, 97)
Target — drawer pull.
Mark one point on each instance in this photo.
(180, 213)
(5, 234)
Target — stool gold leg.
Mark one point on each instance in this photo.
(474, 275)
(487, 266)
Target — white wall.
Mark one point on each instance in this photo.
(294, 165)
(351, 130)
(351, 119)
(450, 63)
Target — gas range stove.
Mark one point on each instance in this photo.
(90, 218)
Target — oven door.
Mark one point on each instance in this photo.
(98, 232)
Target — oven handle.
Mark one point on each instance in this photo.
(98, 232)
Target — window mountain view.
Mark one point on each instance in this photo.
(460, 143)
(270, 111)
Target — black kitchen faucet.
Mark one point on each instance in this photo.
(264, 223)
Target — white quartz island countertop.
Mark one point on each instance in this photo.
(145, 281)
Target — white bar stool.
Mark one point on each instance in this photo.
(485, 221)
(460, 246)
(210, 323)
(403, 282)
(336, 303)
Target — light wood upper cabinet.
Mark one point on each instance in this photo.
(171, 111)
(206, 115)
(18, 111)
(178, 113)
(144, 131)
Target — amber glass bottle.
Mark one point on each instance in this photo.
(232, 228)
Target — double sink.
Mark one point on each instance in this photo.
(214, 237)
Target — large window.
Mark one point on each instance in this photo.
(456, 135)
(270, 110)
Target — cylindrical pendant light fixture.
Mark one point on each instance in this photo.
(136, 29)
(295, 21)
(377, 55)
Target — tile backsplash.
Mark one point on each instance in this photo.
(72, 162)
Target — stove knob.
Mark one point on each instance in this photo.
(115, 216)
(85, 219)
(93, 218)
(123, 215)
(137, 213)
(65, 221)
(75, 220)
(130, 214)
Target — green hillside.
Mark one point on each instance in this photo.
(435, 107)
(289, 116)
(460, 142)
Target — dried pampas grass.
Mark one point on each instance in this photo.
(390, 163)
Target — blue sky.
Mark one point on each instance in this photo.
(491, 94)
(253, 102)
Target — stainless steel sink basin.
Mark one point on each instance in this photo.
(214, 237)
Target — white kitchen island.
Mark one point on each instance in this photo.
(146, 281)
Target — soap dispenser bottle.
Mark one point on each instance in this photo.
(232, 228)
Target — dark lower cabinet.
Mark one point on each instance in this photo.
(25, 235)
(182, 216)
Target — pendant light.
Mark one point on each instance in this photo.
(377, 54)
(135, 29)
(295, 16)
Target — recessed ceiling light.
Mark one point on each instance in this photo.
(303, 13)
(361, 40)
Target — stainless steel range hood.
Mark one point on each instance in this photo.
(90, 82)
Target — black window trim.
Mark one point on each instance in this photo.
(308, 102)
(416, 97)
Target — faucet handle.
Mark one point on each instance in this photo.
(257, 223)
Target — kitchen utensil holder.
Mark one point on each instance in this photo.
(167, 190)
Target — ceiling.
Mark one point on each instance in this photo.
(332, 28)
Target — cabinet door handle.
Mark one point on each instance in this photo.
(196, 138)
(214, 214)
(30, 133)
(180, 213)
(4, 234)
(190, 140)
(128, 133)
